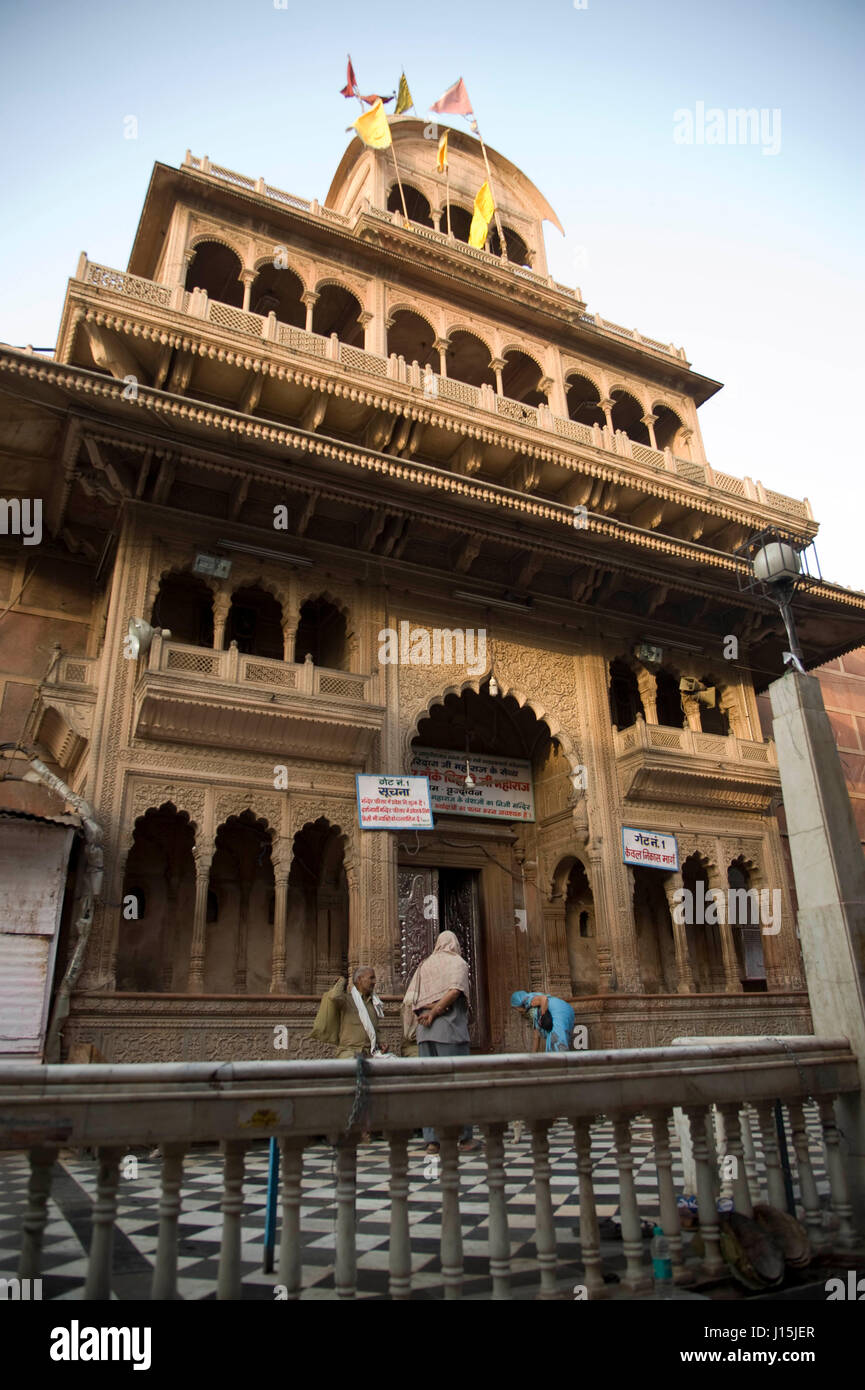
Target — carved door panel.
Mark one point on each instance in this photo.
(460, 913)
(418, 911)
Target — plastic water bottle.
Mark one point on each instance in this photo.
(662, 1264)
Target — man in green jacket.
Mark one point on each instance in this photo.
(357, 1034)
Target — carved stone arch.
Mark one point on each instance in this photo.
(562, 871)
(638, 393)
(267, 810)
(187, 801)
(674, 409)
(338, 815)
(340, 282)
(407, 307)
(423, 710)
(706, 856)
(590, 374)
(260, 262)
(252, 577)
(220, 237)
(482, 336)
(526, 352)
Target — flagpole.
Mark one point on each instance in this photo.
(502, 241)
(448, 192)
(398, 179)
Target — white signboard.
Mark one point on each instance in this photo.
(649, 848)
(502, 786)
(393, 803)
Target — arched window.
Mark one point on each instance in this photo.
(417, 205)
(255, 624)
(670, 710)
(321, 634)
(520, 378)
(713, 719)
(337, 311)
(625, 702)
(518, 252)
(216, 269)
(411, 337)
(583, 397)
(667, 426)
(184, 605)
(461, 223)
(278, 291)
(468, 359)
(628, 415)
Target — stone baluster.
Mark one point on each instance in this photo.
(772, 1156)
(545, 1231)
(837, 1176)
(807, 1181)
(636, 1277)
(98, 1282)
(590, 1238)
(228, 1280)
(345, 1271)
(399, 1285)
(736, 1149)
(452, 1235)
(499, 1234)
(36, 1214)
(290, 1261)
(203, 857)
(704, 1162)
(685, 975)
(164, 1285)
(667, 1191)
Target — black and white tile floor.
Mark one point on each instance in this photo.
(67, 1234)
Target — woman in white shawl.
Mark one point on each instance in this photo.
(436, 1004)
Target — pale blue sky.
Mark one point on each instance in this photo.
(752, 262)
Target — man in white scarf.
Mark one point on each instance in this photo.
(360, 1012)
(438, 999)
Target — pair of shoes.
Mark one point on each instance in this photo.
(432, 1148)
(468, 1146)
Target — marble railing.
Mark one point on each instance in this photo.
(433, 386)
(110, 1108)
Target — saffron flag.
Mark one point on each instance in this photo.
(455, 101)
(404, 98)
(373, 129)
(442, 160)
(350, 88)
(484, 210)
(374, 97)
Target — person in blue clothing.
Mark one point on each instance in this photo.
(552, 1020)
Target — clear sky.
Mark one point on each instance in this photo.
(752, 261)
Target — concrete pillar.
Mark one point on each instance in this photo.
(829, 870)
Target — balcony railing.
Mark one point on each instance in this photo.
(665, 738)
(259, 672)
(433, 386)
(176, 1105)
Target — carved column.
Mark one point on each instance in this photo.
(309, 298)
(649, 422)
(557, 970)
(441, 346)
(732, 980)
(356, 943)
(498, 365)
(607, 407)
(203, 857)
(281, 871)
(647, 684)
(692, 713)
(601, 895)
(684, 973)
(364, 318)
(247, 279)
(221, 606)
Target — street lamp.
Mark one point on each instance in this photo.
(776, 569)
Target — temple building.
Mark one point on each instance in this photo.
(327, 491)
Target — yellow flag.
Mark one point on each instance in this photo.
(442, 160)
(484, 209)
(404, 98)
(373, 129)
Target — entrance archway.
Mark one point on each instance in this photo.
(654, 928)
(157, 903)
(317, 924)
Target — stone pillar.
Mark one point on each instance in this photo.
(830, 885)
(692, 713)
(685, 975)
(647, 684)
(649, 422)
(601, 899)
(732, 980)
(309, 299)
(441, 346)
(356, 943)
(364, 318)
(498, 365)
(607, 407)
(203, 857)
(247, 279)
(221, 607)
(281, 871)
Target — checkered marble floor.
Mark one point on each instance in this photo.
(67, 1234)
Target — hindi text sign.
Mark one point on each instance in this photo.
(502, 786)
(393, 803)
(649, 848)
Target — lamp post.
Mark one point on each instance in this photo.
(825, 849)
